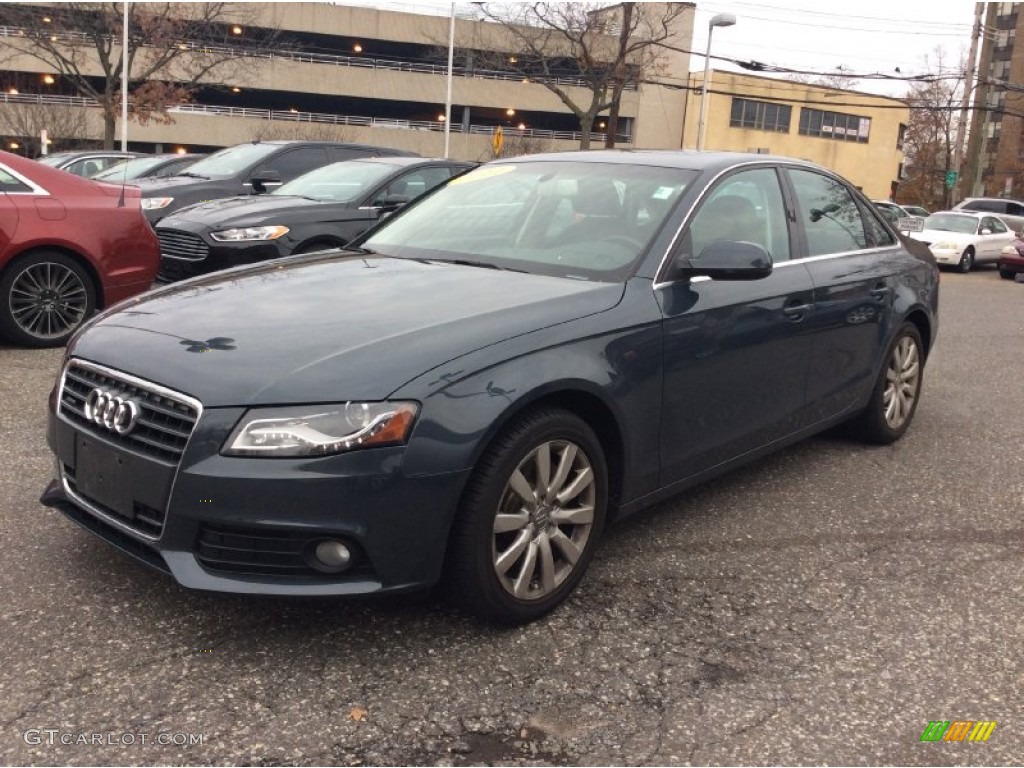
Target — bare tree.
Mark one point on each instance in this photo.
(602, 48)
(929, 142)
(271, 130)
(66, 125)
(514, 145)
(838, 79)
(173, 48)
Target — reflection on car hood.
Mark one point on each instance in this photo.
(250, 210)
(327, 328)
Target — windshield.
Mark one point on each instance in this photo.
(231, 161)
(131, 169)
(583, 220)
(951, 222)
(53, 160)
(339, 182)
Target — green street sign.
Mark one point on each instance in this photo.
(950, 179)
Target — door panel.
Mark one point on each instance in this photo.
(854, 285)
(735, 367)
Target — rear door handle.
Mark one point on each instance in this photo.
(880, 292)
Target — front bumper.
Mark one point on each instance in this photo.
(946, 256)
(248, 525)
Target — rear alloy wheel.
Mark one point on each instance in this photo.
(966, 261)
(897, 389)
(530, 518)
(44, 298)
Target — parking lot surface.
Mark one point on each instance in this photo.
(820, 606)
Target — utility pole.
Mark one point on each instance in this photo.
(952, 190)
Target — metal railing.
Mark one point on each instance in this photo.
(342, 60)
(287, 115)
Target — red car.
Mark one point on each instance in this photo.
(1011, 260)
(68, 246)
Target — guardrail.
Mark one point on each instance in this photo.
(341, 60)
(319, 117)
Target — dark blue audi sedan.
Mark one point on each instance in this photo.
(470, 393)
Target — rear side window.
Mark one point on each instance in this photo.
(1014, 209)
(828, 213)
(995, 206)
(10, 183)
(296, 162)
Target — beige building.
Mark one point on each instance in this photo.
(379, 77)
(857, 135)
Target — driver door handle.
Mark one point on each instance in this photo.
(795, 309)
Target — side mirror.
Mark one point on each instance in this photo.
(263, 180)
(728, 260)
(390, 203)
(986, 231)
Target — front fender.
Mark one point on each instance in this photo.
(607, 366)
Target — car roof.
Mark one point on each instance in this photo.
(319, 143)
(688, 159)
(401, 160)
(973, 214)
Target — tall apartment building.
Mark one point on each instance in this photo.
(378, 76)
(994, 163)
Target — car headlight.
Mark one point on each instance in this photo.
(155, 203)
(242, 234)
(945, 245)
(1010, 250)
(320, 430)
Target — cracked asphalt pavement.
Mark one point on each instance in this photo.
(818, 607)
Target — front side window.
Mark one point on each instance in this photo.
(993, 225)
(828, 213)
(412, 185)
(748, 207)
(584, 220)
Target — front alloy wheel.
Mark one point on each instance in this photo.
(529, 519)
(966, 261)
(544, 520)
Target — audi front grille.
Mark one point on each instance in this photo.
(164, 420)
(175, 244)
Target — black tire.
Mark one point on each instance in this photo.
(44, 297)
(876, 424)
(966, 261)
(1006, 274)
(477, 550)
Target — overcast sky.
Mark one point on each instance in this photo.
(861, 36)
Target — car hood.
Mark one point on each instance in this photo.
(168, 185)
(326, 328)
(940, 235)
(248, 210)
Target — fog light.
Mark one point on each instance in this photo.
(332, 555)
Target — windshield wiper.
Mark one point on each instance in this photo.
(193, 175)
(474, 263)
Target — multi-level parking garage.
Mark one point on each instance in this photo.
(379, 76)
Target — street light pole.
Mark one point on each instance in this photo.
(718, 20)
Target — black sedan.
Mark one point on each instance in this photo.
(325, 208)
(148, 167)
(475, 388)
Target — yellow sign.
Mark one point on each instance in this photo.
(497, 140)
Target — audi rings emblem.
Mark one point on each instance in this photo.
(111, 411)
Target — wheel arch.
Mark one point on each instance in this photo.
(924, 326)
(581, 400)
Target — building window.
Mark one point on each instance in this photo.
(762, 115)
(834, 125)
(901, 137)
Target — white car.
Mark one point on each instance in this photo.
(964, 238)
